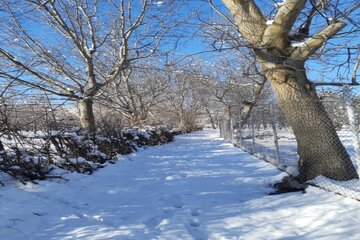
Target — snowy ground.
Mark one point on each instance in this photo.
(198, 187)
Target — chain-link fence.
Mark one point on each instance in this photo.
(335, 148)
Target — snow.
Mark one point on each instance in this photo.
(159, 3)
(197, 187)
(345, 188)
(280, 4)
(269, 22)
(298, 44)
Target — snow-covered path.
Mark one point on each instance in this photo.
(197, 187)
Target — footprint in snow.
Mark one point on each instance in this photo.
(195, 212)
(172, 200)
(194, 222)
(195, 230)
(156, 223)
(152, 222)
(194, 226)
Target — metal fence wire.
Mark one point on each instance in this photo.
(267, 135)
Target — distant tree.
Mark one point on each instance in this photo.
(236, 85)
(182, 103)
(74, 49)
(246, 83)
(135, 94)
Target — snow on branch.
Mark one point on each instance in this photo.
(279, 4)
(315, 42)
(277, 32)
(288, 13)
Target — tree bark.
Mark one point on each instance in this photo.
(87, 119)
(227, 123)
(210, 117)
(319, 147)
(249, 105)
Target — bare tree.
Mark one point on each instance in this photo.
(246, 82)
(135, 94)
(282, 45)
(237, 85)
(183, 103)
(74, 49)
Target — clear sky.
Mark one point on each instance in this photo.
(338, 55)
(189, 39)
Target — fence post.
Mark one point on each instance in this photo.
(352, 122)
(273, 124)
(252, 132)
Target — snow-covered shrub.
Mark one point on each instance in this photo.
(33, 155)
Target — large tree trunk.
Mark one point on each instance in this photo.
(319, 147)
(87, 119)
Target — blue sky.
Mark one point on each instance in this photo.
(325, 68)
(191, 42)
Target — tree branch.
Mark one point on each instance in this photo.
(318, 40)
(38, 86)
(250, 21)
(222, 14)
(335, 84)
(33, 72)
(354, 71)
(276, 34)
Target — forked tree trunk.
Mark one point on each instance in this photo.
(319, 147)
(87, 119)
